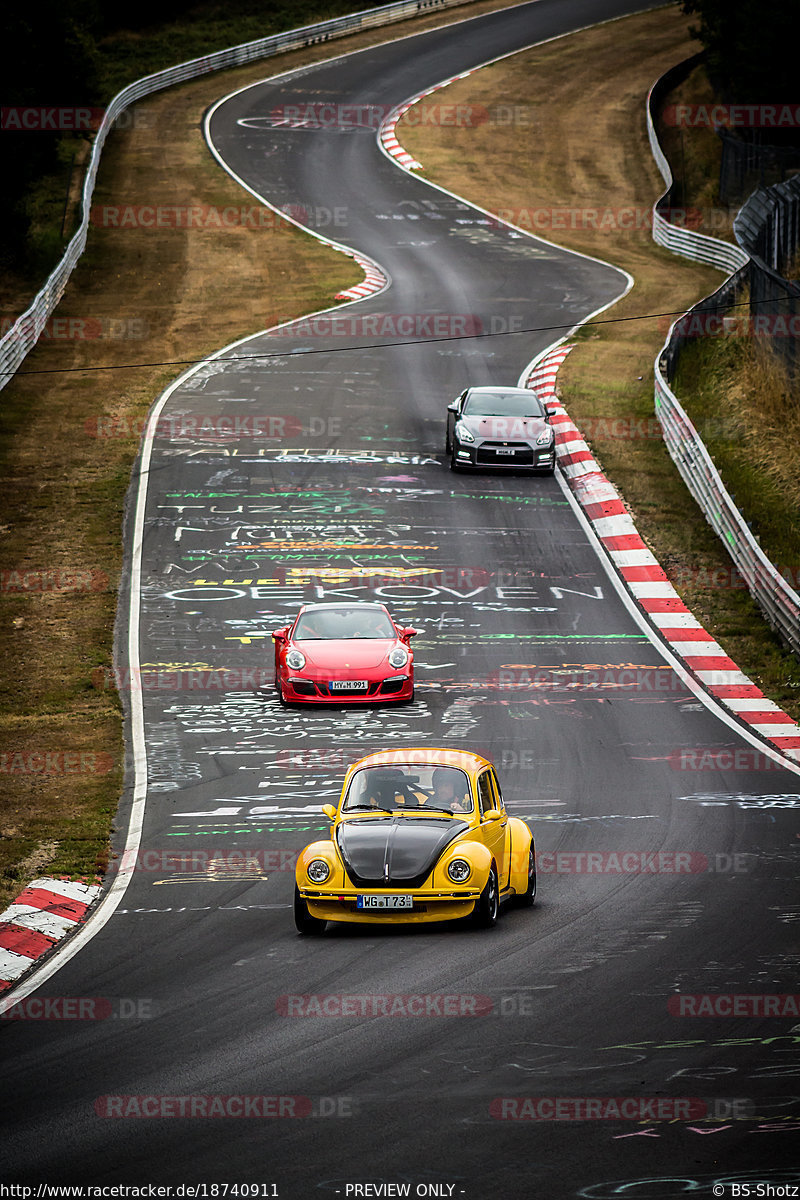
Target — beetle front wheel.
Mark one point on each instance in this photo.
(488, 905)
(303, 920)
(525, 899)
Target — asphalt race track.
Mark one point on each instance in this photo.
(309, 463)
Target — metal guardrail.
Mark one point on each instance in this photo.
(26, 330)
(779, 602)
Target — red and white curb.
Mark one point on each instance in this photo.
(645, 579)
(387, 134)
(374, 280)
(40, 917)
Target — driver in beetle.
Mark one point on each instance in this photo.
(446, 784)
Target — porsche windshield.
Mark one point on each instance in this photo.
(412, 788)
(502, 404)
(360, 621)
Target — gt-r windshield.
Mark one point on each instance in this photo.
(411, 788)
(360, 621)
(502, 404)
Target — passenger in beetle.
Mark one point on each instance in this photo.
(448, 790)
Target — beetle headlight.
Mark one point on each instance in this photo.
(459, 870)
(295, 660)
(398, 657)
(318, 870)
(463, 434)
(544, 438)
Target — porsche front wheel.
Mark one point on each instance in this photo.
(303, 920)
(488, 905)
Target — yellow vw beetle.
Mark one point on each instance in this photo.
(419, 835)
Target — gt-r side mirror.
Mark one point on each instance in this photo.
(453, 407)
(492, 814)
(330, 811)
(551, 407)
(280, 634)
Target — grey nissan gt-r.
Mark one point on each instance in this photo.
(505, 427)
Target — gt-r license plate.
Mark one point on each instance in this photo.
(349, 685)
(503, 450)
(384, 902)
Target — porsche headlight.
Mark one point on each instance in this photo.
(544, 438)
(463, 434)
(318, 870)
(295, 660)
(459, 870)
(398, 657)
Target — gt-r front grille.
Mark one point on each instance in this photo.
(498, 453)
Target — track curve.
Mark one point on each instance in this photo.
(327, 479)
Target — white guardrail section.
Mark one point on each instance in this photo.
(26, 330)
(779, 602)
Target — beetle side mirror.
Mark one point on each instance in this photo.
(492, 814)
(330, 811)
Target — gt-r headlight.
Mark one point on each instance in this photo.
(459, 870)
(545, 438)
(398, 657)
(295, 660)
(318, 870)
(463, 434)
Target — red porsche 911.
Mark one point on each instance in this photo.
(344, 653)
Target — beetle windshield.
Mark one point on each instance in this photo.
(502, 404)
(358, 621)
(414, 788)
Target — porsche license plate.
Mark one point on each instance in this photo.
(349, 685)
(385, 902)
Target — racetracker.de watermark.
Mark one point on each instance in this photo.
(722, 758)
(385, 1005)
(313, 115)
(221, 861)
(597, 1108)
(20, 580)
(78, 1008)
(731, 116)
(67, 118)
(76, 329)
(201, 679)
(209, 1107)
(733, 1004)
(211, 217)
(524, 678)
(718, 324)
(55, 762)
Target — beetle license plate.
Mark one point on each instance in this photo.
(349, 685)
(385, 902)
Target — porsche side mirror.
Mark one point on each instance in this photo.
(330, 811)
(405, 634)
(280, 634)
